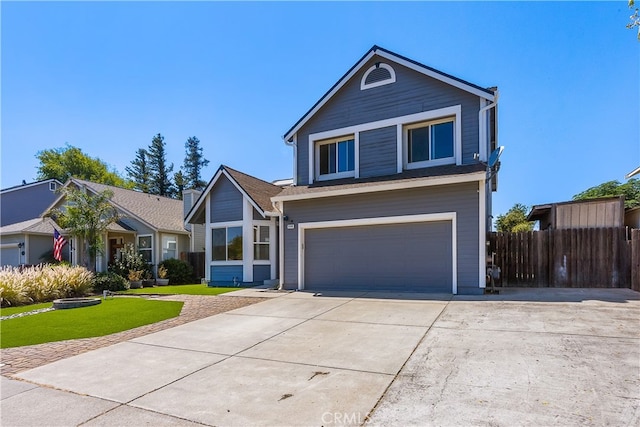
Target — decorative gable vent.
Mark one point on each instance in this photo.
(378, 75)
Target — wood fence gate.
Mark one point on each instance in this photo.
(580, 258)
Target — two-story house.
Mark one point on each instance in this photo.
(390, 182)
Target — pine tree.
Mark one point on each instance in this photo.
(160, 182)
(180, 183)
(194, 161)
(139, 172)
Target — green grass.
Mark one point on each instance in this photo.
(111, 316)
(7, 311)
(198, 289)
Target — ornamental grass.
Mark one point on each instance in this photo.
(43, 283)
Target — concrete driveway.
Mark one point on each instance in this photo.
(537, 357)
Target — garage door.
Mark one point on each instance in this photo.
(401, 257)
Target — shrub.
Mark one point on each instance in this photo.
(43, 283)
(130, 260)
(110, 281)
(178, 272)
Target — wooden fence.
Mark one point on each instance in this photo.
(596, 257)
(196, 260)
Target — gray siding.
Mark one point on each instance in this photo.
(398, 257)
(226, 201)
(138, 226)
(40, 245)
(460, 198)
(25, 203)
(256, 215)
(378, 150)
(198, 236)
(412, 93)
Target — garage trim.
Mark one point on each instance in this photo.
(387, 220)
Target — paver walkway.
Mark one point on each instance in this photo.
(195, 307)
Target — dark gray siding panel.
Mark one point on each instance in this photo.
(226, 201)
(378, 152)
(256, 215)
(261, 273)
(460, 198)
(25, 203)
(412, 93)
(398, 257)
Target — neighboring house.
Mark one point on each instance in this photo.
(240, 224)
(154, 224)
(27, 201)
(632, 217)
(591, 213)
(29, 242)
(388, 191)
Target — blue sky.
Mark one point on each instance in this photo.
(108, 76)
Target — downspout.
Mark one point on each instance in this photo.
(278, 208)
(482, 124)
(293, 142)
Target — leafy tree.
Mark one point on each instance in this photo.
(86, 216)
(139, 172)
(69, 161)
(180, 183)
(635, 18)
(514, 220)
(160, 183)
(630, 190)
(194, 161)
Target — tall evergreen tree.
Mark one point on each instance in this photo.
(139, 171)
(160, 182)
(194, 161)
(180, 183)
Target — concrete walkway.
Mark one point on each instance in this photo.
(537, 357)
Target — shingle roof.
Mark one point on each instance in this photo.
(160, 213)
(406, 176)
(31, 226)
(260, 191)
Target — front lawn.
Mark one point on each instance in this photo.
(198, 289)
(111, 316)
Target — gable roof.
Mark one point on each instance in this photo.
(31, 226)
(257, 191)
(28, 185)
(488, 94)
(157, 212)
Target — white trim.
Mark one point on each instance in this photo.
(280, 207)
(398, 185)
(247, 241)
(399, 150)
(391, 57)
(273, 247)
(405, 219)
(392, 79)
(482, 131)
(315, 145)
(208, 249)
(295, 159)
(9, 245)
(482, 233)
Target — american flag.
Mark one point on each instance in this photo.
(58, 244)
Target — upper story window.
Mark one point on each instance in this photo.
(335, 158)
(53, 186)
(430, 143)
(378, 75)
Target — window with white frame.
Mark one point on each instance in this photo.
(169, 247)
(261, 242)
(335, 158)
(145, 247)
(227, 243)
(430, 143)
